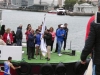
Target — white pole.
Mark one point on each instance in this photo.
(0, 18)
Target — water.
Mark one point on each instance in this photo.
(76, 24)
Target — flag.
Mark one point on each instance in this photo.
(43, 43)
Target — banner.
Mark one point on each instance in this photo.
(43, 43)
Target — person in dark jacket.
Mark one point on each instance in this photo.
(93, 44)
(19, 36)
(48, 38)
(66, 32)
(31, 45)
(2, 30)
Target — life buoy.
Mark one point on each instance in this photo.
(47, 69)
(25, 69)
(60, 69)
(81, 68)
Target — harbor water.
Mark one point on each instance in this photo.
(76, 24)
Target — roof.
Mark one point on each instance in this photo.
(83, 5)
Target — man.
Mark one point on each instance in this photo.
(87, 37)
(48, 38)
(93, 44)
(60, 38)
(7, 65)
(56, 35)
(19, 36)
(31, 45)
(66, 32)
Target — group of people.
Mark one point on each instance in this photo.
(8, 37)
(33, 38)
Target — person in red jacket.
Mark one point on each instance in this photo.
(28, 29)
(88, 26)
(7, 37)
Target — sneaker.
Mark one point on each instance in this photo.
(59, 54)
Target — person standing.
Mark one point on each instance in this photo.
(56, 36)
(53, 36)
(7, 65)
(31, 45)
(8, 37)
(60, 38)
(28, 29)
(2, 31)
(38, 42)
(92, 44)
(48, 39)
(19, 36)
(66, 32)
(14, 38)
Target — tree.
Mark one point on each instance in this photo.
(69, 4)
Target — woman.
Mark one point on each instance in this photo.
(14, 37)
(2, 30)
(53, 36)
(28, 29)
(7, 37)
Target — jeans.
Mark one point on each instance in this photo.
(19, 42)
(96, 70)
(59, 46)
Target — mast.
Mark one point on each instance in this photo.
(40, 2)
(0, 18)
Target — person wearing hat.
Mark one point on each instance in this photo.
(60, 38)
(92, 44)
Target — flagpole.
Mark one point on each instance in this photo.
(43, 43)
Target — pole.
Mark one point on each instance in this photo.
(40, 2)
(0, 18)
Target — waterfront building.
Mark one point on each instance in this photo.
(85, 8)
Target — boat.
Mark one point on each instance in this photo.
(67, 64)
(52, 12)
(61, 11)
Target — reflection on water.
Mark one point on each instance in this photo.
(76, 24)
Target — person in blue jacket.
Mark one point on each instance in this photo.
(31, 45)
(60, 38)
(37, 41)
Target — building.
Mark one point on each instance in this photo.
(61, 3)
(85, 8)
(30, 2)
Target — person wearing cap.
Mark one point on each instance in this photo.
(60, 38)
(56, 35)
(92, 44)
(65, 38)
